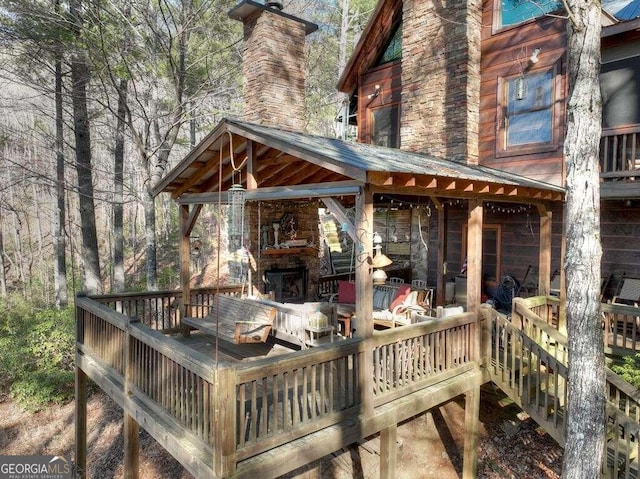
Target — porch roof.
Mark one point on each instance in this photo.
(286, 158)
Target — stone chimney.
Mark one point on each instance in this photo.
(441, 79)
(273, 64)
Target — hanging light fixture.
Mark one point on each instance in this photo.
(380, 260)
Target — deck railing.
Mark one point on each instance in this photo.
(621, 328)
(620, 153)
(528, 360)
(160, 310)
(215, 415)
(412, 357)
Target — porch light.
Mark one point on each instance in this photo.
(379, 261)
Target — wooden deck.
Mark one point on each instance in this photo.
(253, 411)
(262, 410)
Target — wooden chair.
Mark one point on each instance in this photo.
(629, 292)
(419, 284)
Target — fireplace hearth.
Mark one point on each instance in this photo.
(289, 285)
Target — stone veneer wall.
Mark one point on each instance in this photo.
(273, 69)
(306, 215)
(441, 78)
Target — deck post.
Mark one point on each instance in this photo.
(544, 266)
(81, 424)
(388, 452)
(80, 416)
(364, 294)
(474, 255)
(443, 216)
(131, 428)
(224, 421)
(471, 421)
(185, 274)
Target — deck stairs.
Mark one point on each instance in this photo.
(339, 246)
(533, 374)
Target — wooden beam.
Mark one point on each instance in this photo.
(544, 262)
(474, 255)
(252, 166)
(443, 226)
(336, 188)
(341, 215)
(364, 293)
(185, 270)
(388, 452)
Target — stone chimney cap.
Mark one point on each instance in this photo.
(246, 8)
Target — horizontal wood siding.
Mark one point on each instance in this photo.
(388, 77)
(504, 54)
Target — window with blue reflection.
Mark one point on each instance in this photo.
(529, 112)
(517, 11)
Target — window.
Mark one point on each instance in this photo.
(384, 126)
(620, 85)
(527, 108)
(517, 11)
(394, 48)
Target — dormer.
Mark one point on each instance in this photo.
(414, 78)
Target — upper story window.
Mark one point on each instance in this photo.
(394, 48)
(620, 86)
(527, 113)
(512, 12)
(385, 122)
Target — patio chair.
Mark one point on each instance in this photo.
(629, 292)
(396, 280)
(418, 284)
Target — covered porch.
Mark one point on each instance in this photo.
(222, 414)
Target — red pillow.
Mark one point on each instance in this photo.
(401, 295)
(346, 292)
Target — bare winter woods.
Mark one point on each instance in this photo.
(99, 100)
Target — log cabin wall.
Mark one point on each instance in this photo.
(620, 230)
(505, 54)
(519, 239)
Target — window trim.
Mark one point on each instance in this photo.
(502, 149)
(497, 26)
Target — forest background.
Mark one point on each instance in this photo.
(99, 100)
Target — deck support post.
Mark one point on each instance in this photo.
(471, 422)
(364, 294)
(443, 216)
(81, 424)
(388, 452)
(185, 274)
(131, 447)
(474, 255)
(224, 426)
(131, 428)
(544, 266)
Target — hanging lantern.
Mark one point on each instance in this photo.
(237, 197)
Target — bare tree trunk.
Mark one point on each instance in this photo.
(587, 381)
(118, 195)
(3, 275)
(150, 237)
(59, 239)
(80, 80)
